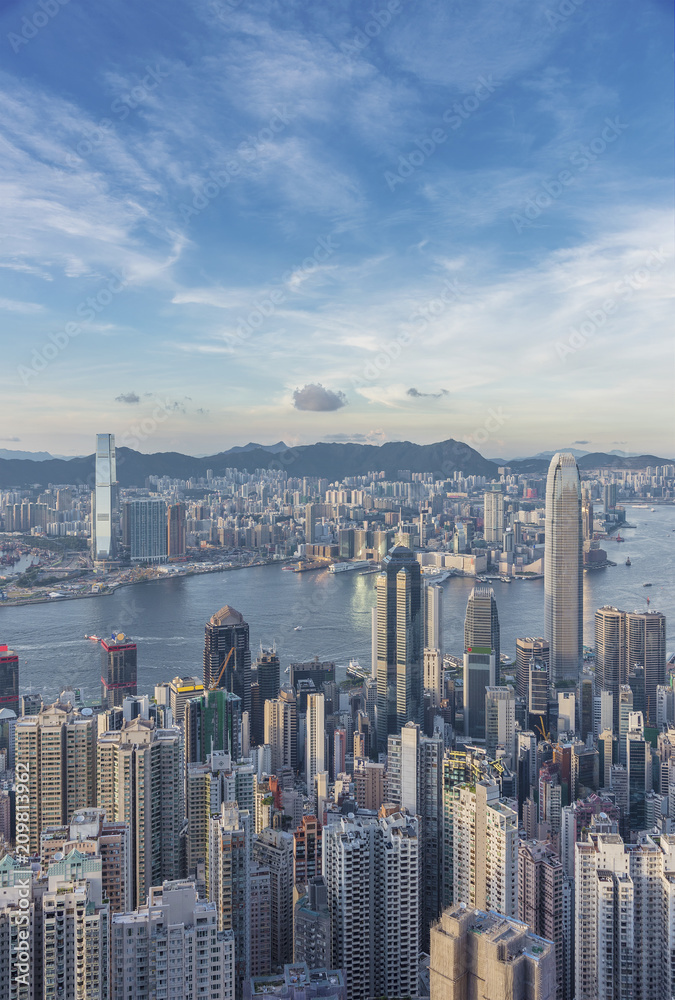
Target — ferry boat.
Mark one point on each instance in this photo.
(345, 567)
(356, 671)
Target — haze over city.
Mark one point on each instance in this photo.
(303, 223)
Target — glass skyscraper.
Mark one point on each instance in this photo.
(481, 657)
(104, 498)
(563, 569)
(400, 637)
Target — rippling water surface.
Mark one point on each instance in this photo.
(166, 618)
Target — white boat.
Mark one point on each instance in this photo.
(344, 567)
(298, 628)
(356, 671)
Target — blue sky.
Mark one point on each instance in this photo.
(309, 221)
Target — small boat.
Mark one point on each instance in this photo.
(628, 562)
(298, 628)
(92, 638)
(646, 584)
(287, 670)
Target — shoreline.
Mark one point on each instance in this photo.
(44, 599)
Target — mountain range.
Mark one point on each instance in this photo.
(327, 460)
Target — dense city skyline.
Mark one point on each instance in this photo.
(309, 206)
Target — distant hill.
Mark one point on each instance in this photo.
(327, 460)
(330, 461)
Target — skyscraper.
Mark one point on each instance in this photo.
(9, 679)
(563, 568)
(230, 881)
(610, 654)
(481, 657)
(118, 670)
(226, 635)
(493, 517)
(176, 530)
(400, 636)
(526, 648)
(433, 617)
(105, 499)
(147, 528)
(273, 850)
(281, 729)
(646, 645)
(315, 747)
(212, 723)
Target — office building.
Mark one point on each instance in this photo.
(230, 882)
(226, 639)
(528, 649)
(610, 654)
(371, 868)
(433, 676)
(146, 522)
(624, 897)
(500, 722)
(646, 641)
(493, 518)
(481, 657)
(181, 690)
(212, 723)
(540, 899)
(266, 675)
(104, 507)
(55, 755)
(487, 956)
(273, 850)
(400, 636)
(315, 742)
(118, 669)
(171, 947)
(281, 729)
(140, 782)
(311, 925)
(9, 679)
(176, 526)
(433, 617)
(563, 569)
(639, 768)
(485, 848)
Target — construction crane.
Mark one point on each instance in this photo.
(542, 729)
(214, 684)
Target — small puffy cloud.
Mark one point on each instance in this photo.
(416, 394)
(316, 397)
(581, 442)
(10, 439)
(128, 397)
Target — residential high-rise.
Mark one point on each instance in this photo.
(433, 676)
(646, 645)
(212, 722)
(493, 517)
(171, 947)
(55, 754)
(307, 850)
(311, 926)
(105, 500)
(563, 568)
(485, 848)
(481, 657)
(230, 882)
(371, 868)
(400, 636)
(273, 850)
(176, 526)
(261, 921)
(625, 903)
(226, 635)
(315, 744)
(610, 654)
(281, 729)
(500, 722)
(475, 955)
(118, 670)
(207, 786)
(540, 898)
(140, 782)
(146, 522)
(527, 649)
(9, 679)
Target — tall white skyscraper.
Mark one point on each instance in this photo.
(315, 740)
(493, 518)
(103, 514)
(563, 569)
(481, 657)
(371, 868)
(500, 722)
(433, 617)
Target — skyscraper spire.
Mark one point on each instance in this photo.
(563, 569)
